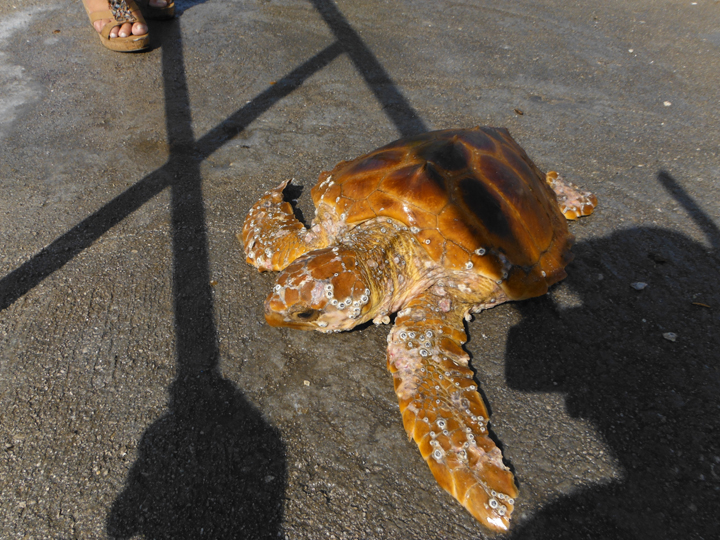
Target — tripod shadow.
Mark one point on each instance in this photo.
(654, 401)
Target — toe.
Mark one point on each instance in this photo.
(125, 30)
(139, 29)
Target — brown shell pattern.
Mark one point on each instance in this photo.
(473, 199)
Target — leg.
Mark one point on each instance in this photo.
(443, 411)
(573, 202)
(272, 235)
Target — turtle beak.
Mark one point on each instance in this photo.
(297, 316)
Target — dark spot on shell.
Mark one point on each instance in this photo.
(449, 155)
(478, 139)
(479, 200)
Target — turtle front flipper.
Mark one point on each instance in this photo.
(442, 409)
(273, 237)
(573, 202)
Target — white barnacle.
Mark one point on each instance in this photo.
(511, 500)
(334, 302)
(438, 454)
(423, 352)
(341, 305)
(499, 281)
(543, 273)
(411, 334)
(480, 251)
(322, 324)
(329, 294)
(469, 265)
(427, 241)
(367, 291)
(343, 216)
(437, 387)
(441, 423)
(277, 288)
(493, 503)
(426, 419)
(505, 274)
(403, 335)
(414, 230)
(383, 230)
(329, 287)
(348, 301)
(501, 510)
(427, 344)
(364, 299)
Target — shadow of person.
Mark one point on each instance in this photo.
(209, 468)
(654, 401)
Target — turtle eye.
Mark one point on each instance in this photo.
(305, 315)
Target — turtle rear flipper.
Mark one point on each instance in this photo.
(443, 411)
(573, 202)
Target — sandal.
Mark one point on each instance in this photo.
(118, 17)
(158, 13)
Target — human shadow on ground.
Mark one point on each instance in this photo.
(654, 401)
(211, 467)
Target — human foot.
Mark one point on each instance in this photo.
(127, 29)
(119, 23)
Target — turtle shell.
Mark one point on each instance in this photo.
(472, 198)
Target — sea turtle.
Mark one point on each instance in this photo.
(434, 227)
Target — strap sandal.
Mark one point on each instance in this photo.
(119, 16)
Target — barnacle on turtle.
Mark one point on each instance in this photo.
(434, 227)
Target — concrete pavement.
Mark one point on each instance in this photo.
(142, 394)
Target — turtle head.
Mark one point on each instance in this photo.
(325, 290)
